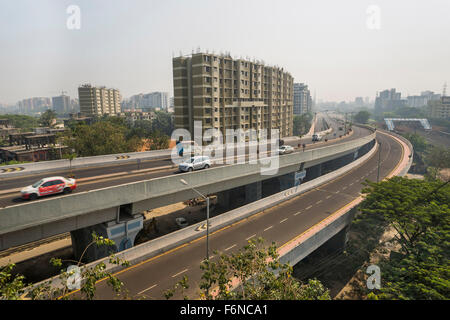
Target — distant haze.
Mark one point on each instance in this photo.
(333, 46)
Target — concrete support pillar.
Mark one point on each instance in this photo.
(253, 192)
(223, 199)
(123, 233)
(314, 172)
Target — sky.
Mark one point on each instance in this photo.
(341, 49)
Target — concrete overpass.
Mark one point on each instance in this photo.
(298, 220)
(120, 205)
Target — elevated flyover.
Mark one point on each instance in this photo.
(298, 224)
(27, 222)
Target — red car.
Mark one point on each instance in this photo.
(48, 186)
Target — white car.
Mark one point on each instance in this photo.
(316, 137)
(285, 149)
(195, 163)
(48, 186)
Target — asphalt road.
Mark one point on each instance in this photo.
(149, 279)
(96, 178)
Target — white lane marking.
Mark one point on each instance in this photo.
(283, 220)
(147, 289)
(268, 228)
(344, 188)
(351, 184)
(328, 197)
(309, 207)
(318, 201)
(298, 212)
(179, 273)
(251, 237)
(234, 245)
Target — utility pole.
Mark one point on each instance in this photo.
(379, 160)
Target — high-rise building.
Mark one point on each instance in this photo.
(226, 93)
(153, 100)
(387, 100)
(422, 100)
(302, 99)
(61, 104)
(439, 108)
(98, 100)
(34, 105)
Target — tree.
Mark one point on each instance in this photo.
(261, 277)
(163, 123)
(100, 138)
(417, 141)
(47, 118)
(362, 116)
(419, 212)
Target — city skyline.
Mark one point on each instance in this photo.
(132, 48)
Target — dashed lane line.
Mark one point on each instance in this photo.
(175, 275)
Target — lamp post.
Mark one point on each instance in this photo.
(379, 158)
(207, 215)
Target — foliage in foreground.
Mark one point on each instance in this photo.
(419, 212)
(15, 288)
(260, 276)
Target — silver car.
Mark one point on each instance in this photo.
(285, 149)
(195, 163)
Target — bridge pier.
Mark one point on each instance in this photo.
(314, 172)
(123, 233)
(253, 191)
(337, 243)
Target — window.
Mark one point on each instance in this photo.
(208, 69)
(208, 100)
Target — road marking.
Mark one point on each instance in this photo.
(344, 188)
(283, 220)
(179, 273)
(309, 207)
(318, 201)
(147, 289)
(351, 184)
(234, 245)
(268, 228)
(251, 237)
(298, 212)
(328, 197)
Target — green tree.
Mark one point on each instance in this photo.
(47, 118)
(100, 138)
(418, 210)
(163, 123)
(302, 123)
(417, 141)
(261, 277)
(362, 116)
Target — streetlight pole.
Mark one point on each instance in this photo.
(379, 158)
(207, 215)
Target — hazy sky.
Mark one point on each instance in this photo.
(129, 44)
